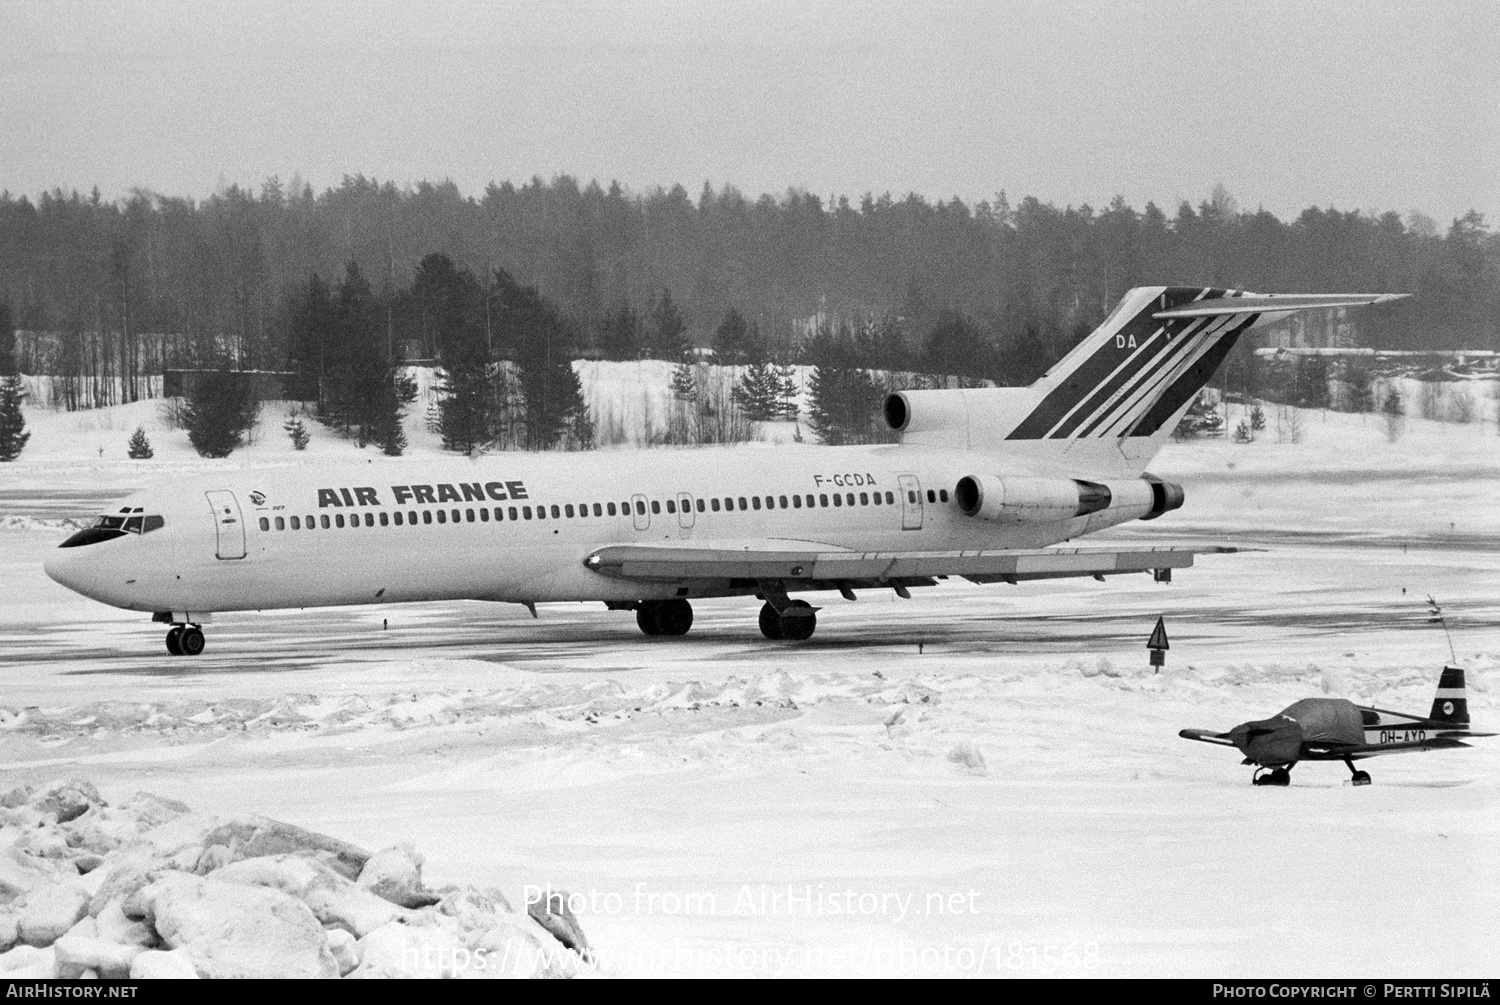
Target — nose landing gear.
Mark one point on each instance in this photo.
(1276, 776)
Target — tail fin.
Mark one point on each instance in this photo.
(1121, 390)
(1451, 703)
(1140, 369)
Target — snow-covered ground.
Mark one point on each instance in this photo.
(981, 780)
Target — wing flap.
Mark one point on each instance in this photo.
(802, 561)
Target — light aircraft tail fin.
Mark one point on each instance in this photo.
(1451, 703)
(1121, 390)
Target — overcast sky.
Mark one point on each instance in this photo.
(1358, 105)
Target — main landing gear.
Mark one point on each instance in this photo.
(664, 617)
(185, 640)
(1360, 777)
(1276, 776)
(796, 623)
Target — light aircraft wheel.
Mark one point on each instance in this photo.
(770, 623)
(674, 617)
(1276, 776)
(191, 640)
(174, 640)
(645, 616)
(1361, 778)
(798, 627)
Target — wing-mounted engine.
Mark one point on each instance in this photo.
(1024, 499)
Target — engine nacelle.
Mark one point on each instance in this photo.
(1028, 500)
(1043, 500)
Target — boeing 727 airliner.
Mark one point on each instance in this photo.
(981, 485)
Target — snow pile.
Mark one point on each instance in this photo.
(148, 888)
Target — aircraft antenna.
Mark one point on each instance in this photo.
(1435, 616)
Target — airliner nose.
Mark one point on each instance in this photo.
(70, 570)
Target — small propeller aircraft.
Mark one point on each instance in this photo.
(1334, 729)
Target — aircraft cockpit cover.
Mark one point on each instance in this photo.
(1327, 720)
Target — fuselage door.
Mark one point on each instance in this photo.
(639, 511)
(228, 524)
(911, 502)
(684, 510)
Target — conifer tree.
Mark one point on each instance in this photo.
(620, 338)
(13, 434)
(297, 430)
(669, 338)
(139, 448)
(1201, 419)
(730, 339)
(220, 411)
(842, 401)
(684, 382)
(758, 392)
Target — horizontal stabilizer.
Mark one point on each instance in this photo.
(803, 562)
(1267, 303)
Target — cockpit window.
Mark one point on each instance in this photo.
(107, 528)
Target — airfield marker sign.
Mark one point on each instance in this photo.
(1158, 644)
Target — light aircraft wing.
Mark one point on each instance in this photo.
(1206, 735)
(810, 561)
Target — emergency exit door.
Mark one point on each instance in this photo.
(228, 524)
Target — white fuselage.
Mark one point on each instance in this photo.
(510, 527)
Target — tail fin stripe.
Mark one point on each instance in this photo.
(1146, 389)
(1136, 370)
(1191, 381)
(1130, 398)
(1099, 366)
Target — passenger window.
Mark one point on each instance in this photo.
(541, 512)
(309, 523)
(783, 502)
(499, 514)
(942, 495)
(484, 516)
(526, 512)
(875, 498)
(442, 516)
(742, 503)
(556, 513)
(671, 506)
(370, 519)
(911, 495)
(599, 510)
(796, 502)
(640, 509)
(281, 523)
(756, 501)
(611, 509)
(809, 501)
(264, 524)
(398, 518)
(864, 499)
(715, 503)
(568, 510)
(625, 508)
(838, 500)
(296, 523)
(822, 500)
(655, 506)
(456, 517)
(890, 500)
(701, 506)
(849, 498)
(427, 516)
(512, 513)
(411, 517)
(931, 496)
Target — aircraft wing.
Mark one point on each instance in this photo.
(1206, 735)
(808, 561)
(1359, 751)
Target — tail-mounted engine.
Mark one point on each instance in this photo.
(1044, 500)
